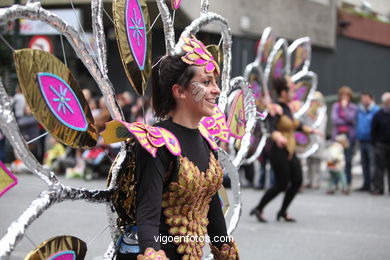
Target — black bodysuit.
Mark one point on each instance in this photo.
(151, 185)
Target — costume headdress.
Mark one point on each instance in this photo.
(198, 55)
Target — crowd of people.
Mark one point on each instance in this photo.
(364, 125)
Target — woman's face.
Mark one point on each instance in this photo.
(345, 97)
(202, 92)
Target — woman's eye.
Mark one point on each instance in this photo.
(207, 82)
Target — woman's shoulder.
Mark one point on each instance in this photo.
(150, 138)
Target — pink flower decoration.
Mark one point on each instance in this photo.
(197, 54)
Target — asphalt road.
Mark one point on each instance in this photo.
(329, 226)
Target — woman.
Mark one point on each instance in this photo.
(183, 205)
(286, 166)
(344, 114)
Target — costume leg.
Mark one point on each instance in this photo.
(295, 183)
(280, 166)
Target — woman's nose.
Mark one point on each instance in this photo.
(216, 89)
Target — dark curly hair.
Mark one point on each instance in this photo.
(280, 84)
(168, 71)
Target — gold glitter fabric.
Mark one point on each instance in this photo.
(227, 252)
(186, 204)
(124, 195)
(151, 254)
(287, 127)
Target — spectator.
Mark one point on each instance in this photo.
(315, 160)
(87, 94)
(335, 162)
(54, 152)
(29, 129)
(366, 111)
(380, 134)
(125, 100)
(103, 117)
(344, 114)
(137, 111)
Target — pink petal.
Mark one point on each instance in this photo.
(200, 61)
(200, 51)
(210, 67)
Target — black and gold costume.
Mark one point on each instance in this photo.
(284, 162)
(169, 189)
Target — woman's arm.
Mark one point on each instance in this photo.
(217, 226)
(222, 246)
(337, 120)
(350, 113)
(150, 172)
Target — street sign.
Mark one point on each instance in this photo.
(40, 42)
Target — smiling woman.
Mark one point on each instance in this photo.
(177, 174)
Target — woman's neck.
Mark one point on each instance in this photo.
(182, 117)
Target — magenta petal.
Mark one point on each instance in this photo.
(210, 67)
(200, 61)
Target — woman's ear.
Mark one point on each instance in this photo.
(178, 91)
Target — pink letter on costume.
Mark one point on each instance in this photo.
(62, 101)
(136, 32)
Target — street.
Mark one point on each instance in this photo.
(329, 226)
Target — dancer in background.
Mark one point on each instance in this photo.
(284, 162)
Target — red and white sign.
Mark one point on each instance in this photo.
(42, 43)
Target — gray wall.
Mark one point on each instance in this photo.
(362, 66)
(289, 19)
